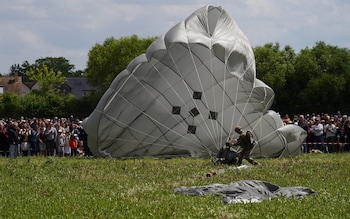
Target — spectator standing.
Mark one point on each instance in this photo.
(310, 135)
(343, 121)
(340, 137)
(331, 135)
(83, 138)
(4, 139)
(67, 150)
(13, 139)
(73, 144)
(24, 135)
(50, 135)
(34, 139)
(61, 142)
(346, 128)
(302, 123)
(42, 141)
(319, 136)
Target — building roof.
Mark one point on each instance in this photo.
(12, 84)
(78, 86)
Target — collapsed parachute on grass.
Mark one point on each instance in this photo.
(185, 95)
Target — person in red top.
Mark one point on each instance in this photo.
(4, 140)
(73, 144)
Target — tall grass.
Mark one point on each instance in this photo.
(50, 187)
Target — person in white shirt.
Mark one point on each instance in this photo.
(331, 135)
(317, 130)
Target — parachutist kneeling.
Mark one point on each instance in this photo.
(246, 143)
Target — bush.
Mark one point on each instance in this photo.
(45, 106)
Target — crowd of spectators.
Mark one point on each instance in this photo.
(59, 137)
(328, 133)
(62, 137)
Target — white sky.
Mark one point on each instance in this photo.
(33, 29)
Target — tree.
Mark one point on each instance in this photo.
(47, 78)
(20, 71)
(107, 60)
(57, 64)
(321, 78)
(273, 66)
(33, 105)
(11, 105)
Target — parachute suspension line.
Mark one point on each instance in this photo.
(220, 128)
(258, 141)
(268, 135)
(143, 133)
(205, 99)
(224, 94)
(161, 75)
(218, 141)
(223, 104)
(116, 92)
(172, 88)
(249, 96)
(118, 123)
(187, 88)
(235, 108)
(153, 119)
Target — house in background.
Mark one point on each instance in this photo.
(78, 87)
(29, 86)
(11, 84)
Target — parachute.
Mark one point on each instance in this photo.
(184, 96)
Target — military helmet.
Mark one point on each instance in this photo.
(238, 128)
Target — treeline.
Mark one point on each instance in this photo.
(314, 80)
(45, 106)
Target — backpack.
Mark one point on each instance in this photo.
(249, 139)
(226, 155)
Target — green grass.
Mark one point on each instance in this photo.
(49, 187)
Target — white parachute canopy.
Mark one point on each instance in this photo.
(186, 94)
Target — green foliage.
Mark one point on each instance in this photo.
(315, 80)
(47, 78)
(57, 64)
(323, 70)
(34, 105)
(81, 107)
(107, 60)
(48, 106)
(11, 105)
(274, 66)
(144, 188)
(54, 104)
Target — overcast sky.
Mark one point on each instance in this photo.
(33, 29)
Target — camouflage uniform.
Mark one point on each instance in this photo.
(247, 143)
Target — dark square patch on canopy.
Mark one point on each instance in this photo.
(176, 110)
(194, 112)
(191, 129)
(197, 95)
(213, 115)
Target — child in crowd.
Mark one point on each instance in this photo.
(73, 144)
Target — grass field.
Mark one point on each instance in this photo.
(50, 187)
